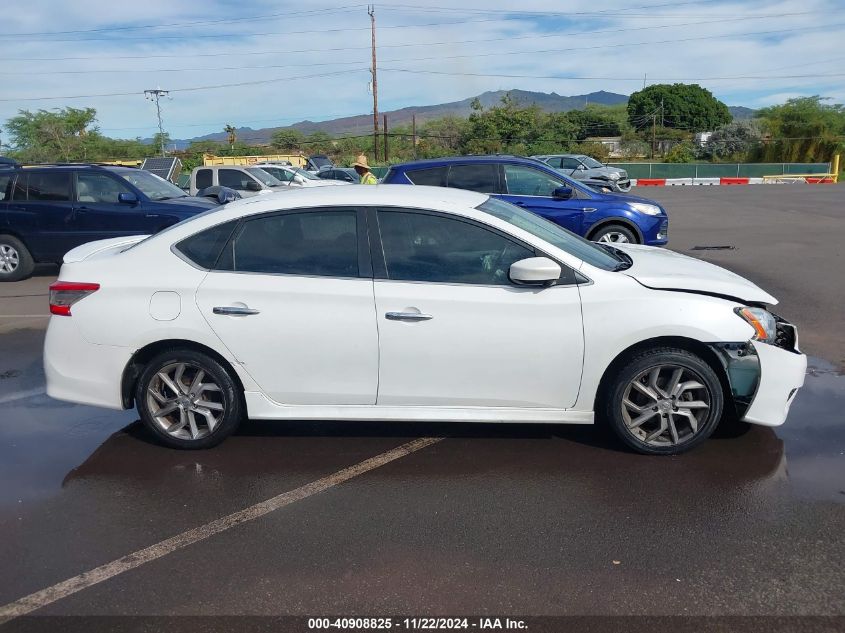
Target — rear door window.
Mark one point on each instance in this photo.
(317, 243)
(5, 182)
(481, 177)
(49, 186)
(433, 176)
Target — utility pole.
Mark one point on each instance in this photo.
(384, 132)
(371, 10)
(155, 95)
(414, 133)
(653, 132)
(644, 76)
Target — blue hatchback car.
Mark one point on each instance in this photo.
(529, 183)
(47, 210)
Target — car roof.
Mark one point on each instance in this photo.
(449, 160)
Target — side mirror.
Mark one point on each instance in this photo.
(298, 179)
(251, 185)
(562, 193)
(226, 195)
(127, 198)
(582, 167)
(535, 271)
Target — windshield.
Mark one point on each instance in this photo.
(555, 235)
(152, 186)
(264, 177)
(306, 174)
(592, 163)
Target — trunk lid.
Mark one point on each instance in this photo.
(102, 248)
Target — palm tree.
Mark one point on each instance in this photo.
(233, 135)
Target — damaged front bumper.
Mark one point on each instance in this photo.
(764, 378)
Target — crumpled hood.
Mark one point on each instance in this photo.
(662, 269)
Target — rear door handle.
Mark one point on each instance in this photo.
(407, 316)
(234, 311)
(152, 215)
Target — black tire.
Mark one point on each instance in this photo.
(612, 230)
(643, 437)
(226, 395)
(16, 262)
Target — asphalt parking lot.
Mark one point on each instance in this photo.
(482, 519)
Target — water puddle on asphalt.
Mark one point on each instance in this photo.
(46, 445)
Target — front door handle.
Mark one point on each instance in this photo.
(407, 316)
(588, 209)
(519, 203)
(234, 311)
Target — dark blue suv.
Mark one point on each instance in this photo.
(46, 210)
(529, 183)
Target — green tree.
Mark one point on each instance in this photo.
(733, 140)
(804, 129)
(287, 139)
(594, 121)
(682, 106)
(318, 143)
(49, 135)
(506, 128)
(683, 152)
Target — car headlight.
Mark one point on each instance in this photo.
(764, 324)
(648, 209)
(614, 176)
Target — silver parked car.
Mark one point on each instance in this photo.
(583, 167)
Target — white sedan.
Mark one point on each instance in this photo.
(411, 303)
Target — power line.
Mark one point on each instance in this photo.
(605, 78)
(190, 89)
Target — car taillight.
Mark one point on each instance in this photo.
(63, 294)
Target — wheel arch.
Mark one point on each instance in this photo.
(143, 355)
(627, 223)
(700, 349)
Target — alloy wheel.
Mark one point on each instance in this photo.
(9, 258)
(614, 237)
(185, 402)
(666, 405)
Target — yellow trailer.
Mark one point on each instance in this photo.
(298, 160)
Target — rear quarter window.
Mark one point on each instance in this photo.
(204, 248)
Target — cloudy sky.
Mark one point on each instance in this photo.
(263, 63)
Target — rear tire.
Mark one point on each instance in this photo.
(188, 399)
(16, 263)
(615, 233)
(663, 401)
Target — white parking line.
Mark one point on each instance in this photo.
(21, 395)
(42, 598)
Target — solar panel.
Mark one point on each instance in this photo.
(167, 168)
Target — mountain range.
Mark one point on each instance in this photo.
(362, 124)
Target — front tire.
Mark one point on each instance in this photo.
(188, 399)
(615, 234)
(16, 262)
(664, 401)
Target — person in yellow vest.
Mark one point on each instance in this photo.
(363, 170)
